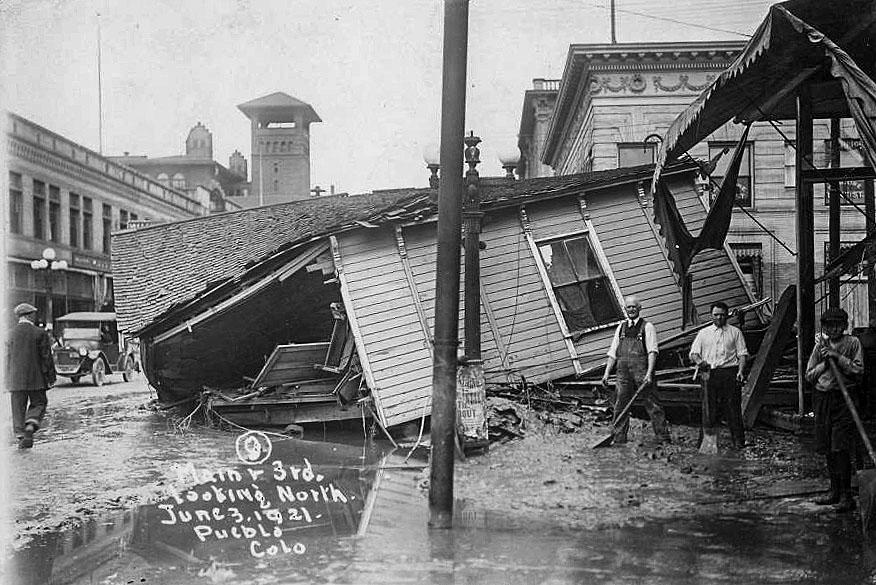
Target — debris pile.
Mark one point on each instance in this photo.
(505, 420)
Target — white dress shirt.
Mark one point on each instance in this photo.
(720, 347)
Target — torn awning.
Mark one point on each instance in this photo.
(827, 44)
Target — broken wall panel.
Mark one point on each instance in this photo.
(638, 264)
(715, 275)
(392, 338)
(293, 363)
(234, 344)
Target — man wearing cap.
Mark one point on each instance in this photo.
(30, 372)
(834, 425)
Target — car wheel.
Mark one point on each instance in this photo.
(128, 373)
(75, 379)
(98, 372)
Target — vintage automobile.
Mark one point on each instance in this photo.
(88, 343)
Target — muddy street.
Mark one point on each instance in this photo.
(123, 495)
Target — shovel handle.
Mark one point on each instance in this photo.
(852, 409)
(629, 405)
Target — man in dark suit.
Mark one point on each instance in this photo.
(31, 371)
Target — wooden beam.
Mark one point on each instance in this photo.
(870, 210)
(280, 274)
(833, 244)
(350, 306)
(779, 333)
(811, 175)
(805, 242)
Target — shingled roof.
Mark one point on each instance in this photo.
(159, 268)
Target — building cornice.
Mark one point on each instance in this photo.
(113, 175)
(640, 59)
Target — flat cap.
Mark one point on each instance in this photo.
(835, 314)
(24, 309)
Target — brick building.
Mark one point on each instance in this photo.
(195, 172)
(64, 196)
(280, 149)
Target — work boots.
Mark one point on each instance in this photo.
(844, 475)
(833, 496)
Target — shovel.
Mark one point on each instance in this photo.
(866, 477)
(607, 440)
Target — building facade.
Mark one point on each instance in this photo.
(196, 173)
(66, 197)
(615, 102)
(280, 149)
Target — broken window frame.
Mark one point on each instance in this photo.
(604, 279)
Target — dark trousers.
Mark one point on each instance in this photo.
(835, 436)
(629, 377)
(722, 394)
(834, 425)
(28, 407)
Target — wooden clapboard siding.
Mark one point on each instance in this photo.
(555, 218)
(523, 318)
(388, 322)
(421, 249)
(636, 261)
(520, 304)
(714, 276)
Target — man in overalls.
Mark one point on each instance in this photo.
(634, 350)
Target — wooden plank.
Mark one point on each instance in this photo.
(412, 285)
(288, 363)
(284, 414)
(351, 314)
(778, 335)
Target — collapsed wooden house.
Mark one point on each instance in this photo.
(310, 304)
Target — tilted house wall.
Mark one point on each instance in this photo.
(212, 323)
(388, 284)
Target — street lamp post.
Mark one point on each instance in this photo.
(49, 264)
(510, 159)
(431, 157)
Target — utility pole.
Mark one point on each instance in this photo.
(613, 37)
(443, 428)
(99, 90)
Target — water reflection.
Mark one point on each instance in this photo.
(366, 522)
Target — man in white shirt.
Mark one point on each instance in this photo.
(634, 350)
(720, 354)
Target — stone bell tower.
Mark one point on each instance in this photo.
(280, 148)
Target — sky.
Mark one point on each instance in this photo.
(371, 70)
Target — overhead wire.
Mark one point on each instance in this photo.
(674, 21)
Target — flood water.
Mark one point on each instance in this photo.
(290, 511)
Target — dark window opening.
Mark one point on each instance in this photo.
(87, 224)
(16, 204)
(74, 220)
(107, 227)
(54, 213)
(744, 182)
(633, 154)
(39, 210)
(750, 260)
(582, 289)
